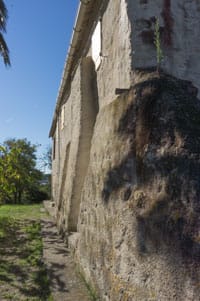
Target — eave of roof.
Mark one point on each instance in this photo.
(87, 15)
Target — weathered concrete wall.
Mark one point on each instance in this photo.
(114, 71)
(66, 153)
(180, 36)
(73, 142)
(139, 218)
(128, 42)
(55, 171)
(138, 227)
(88, 109)
(89, 92)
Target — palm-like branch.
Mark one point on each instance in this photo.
(3, 16)
(4, 51)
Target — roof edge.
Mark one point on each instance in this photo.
(67, 65)
(87, 13)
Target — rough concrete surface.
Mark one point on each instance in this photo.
(65, 283)
(139, 217)
(135, 173)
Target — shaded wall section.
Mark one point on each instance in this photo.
(139, 217)
(60, 205)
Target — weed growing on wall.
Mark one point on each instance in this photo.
(157, 43)
(89, 287)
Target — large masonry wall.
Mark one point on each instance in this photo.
(89, 92)
(126, 170)
(73, 142)
(67, 140)
(115, 68)
(139, 218)
(180, 36)
(128, 42)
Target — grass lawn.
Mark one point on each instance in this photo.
(23, 275)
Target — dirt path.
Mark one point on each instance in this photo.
(65, 284)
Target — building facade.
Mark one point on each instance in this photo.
(112, 44)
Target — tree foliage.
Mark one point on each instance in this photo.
(19, 177)
(4, 51)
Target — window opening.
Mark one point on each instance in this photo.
(96, 45)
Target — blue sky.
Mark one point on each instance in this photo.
(38, 36)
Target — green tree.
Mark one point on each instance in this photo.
(5, 188)
(4, 51)
(18, 173)
(45, 164)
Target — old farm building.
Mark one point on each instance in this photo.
(126, 146)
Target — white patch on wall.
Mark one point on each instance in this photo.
(63, 117)
(96, 45)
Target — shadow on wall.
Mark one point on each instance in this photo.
(163, 124)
